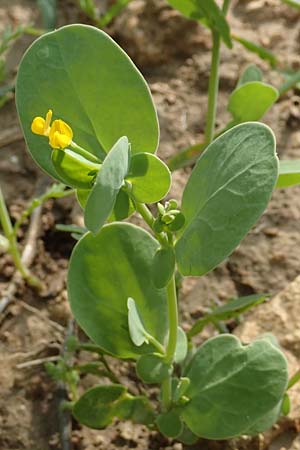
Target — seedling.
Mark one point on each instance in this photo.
(89, 121)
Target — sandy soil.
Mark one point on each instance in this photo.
(173, 54)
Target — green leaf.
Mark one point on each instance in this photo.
(251, 73)
(150, 178)
(101, 201)
(137, 409)
(169, 424)
(181, 346)
(181, 388)
(293, 3)
(289, 173)
(137, 331)
(123, 207)
(97, 407)
(227, 192)
(75, 170)
(104, 272)
(48, 10)
(88, 81)
(113, 11)
(207, 10)
(250, 101)
(152, 368)
(257, 49)
(237, 306)
(233, 386)
(285, 406)
(266, 422)
(187, 437)
(163, 266)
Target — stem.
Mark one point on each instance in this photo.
(173, 320)
(149, 219)
(213, 88)
(13, 248)
(171, 346)
(81, 151)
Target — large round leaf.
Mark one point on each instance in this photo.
(104, 272)
(88, 81)
(227, 192)
(233, 387)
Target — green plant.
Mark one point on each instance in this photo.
(242, 104)
(121, 280)
(102, 18)
(9, 242)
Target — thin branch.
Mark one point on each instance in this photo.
(37, 362)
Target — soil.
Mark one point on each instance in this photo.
(174, 56)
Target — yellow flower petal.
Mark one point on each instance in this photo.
(60, 135)
(38, 125)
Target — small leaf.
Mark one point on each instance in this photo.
(257, 49)
(163, 266)
(181, 346)
(181, 388)
(286, 405)
(243, 102)
(207, 11)
(169, 424)
(152, 369)
(137, 409)
(233, 178)
(237, 306)
(48, 10)
(150, 178)
(137, 331)
(251, 73)
(233, 386)
(289, 173)
(97, 407)
(101, 201)
(187, 437)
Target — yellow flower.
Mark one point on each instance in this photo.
(60, 135)
(42, 126)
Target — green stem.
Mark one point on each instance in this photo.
(173, 320)
(87, 155)
(172, 341)
(149, 219)
(213, 88)
(13, 247)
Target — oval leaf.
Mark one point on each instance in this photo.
(251, 73)
(163, 266)
(169, 424)
(97, 407)
(152, 368)
(251, 101)
(150, 178)
(181, 346)
(227, 192)
(137, 331)
(110, 178)
(104, 272)
(232, 386)
(88, 81)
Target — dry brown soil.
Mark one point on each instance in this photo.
(174, 56)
